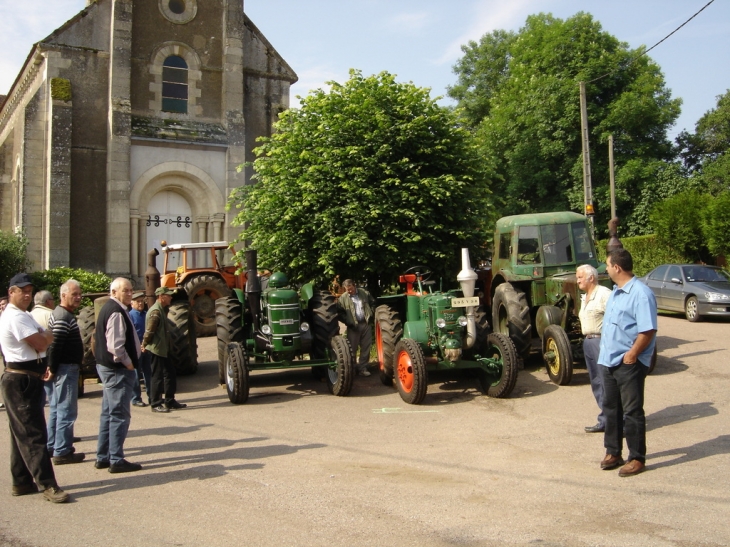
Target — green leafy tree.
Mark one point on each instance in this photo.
(678, 224)
(363, 181)
(717, 225)
(526, 92)
(51, 280)
(13, 258)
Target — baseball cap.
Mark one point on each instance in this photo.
(164, 290)
(137, 294)
(20, 280)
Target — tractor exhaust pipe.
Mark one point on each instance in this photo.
(467, 279)
(253, 287)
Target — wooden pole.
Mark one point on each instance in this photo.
(611, 176)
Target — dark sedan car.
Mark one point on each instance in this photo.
(694, 289)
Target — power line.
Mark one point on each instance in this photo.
(652, 47)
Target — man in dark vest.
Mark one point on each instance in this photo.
(157, 342)
(117, 352)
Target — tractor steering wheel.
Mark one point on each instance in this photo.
(421, 272)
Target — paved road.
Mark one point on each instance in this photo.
(297, 466)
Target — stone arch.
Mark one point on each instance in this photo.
(194, 76)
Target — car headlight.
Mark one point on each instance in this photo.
(440, 322)
(462, 321)
(266, 329)
(304, 327)
(712, 296)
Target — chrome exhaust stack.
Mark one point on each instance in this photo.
(467, 279)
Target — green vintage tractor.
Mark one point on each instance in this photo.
(534, 288)
(442, 331)
(269, 325)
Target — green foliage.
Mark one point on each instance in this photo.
(12, 257)
(51, 280)
(522, 91)
(678, 224)
(364, 181)
(646, 251)
(61, 89)
(716, 226)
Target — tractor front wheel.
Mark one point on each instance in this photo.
(183, 342)
(229, 328)
(501, 348)
(237, 381)
(203, 291)
(339, 378)
(388, 330)
(558, 355)
(511, 316)
(411, 377)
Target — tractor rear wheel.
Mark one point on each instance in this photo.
(237, 381)
(323, 311)
(501, 348)
(511, 316)
(183, 351)
(558, 355)
(388, 330)
(411, 377)
(339, 378)
(203, 291)
(229, 328)
(86, 321)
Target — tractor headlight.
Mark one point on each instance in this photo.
(462, 321)
(266, 329)
(440, 322)
(304, 327)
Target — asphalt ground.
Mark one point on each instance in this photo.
(298, 466)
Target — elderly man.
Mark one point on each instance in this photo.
(592, 307)
(355, 310)
(117, 353)
(64, 361)
(24, 344)
(157, 342)
(627, 343)
(43, 304)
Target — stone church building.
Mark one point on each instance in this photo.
(126, 126)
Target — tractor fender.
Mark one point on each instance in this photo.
(306, 294)
(546, 316)
(416, 330)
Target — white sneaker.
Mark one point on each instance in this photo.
(364, 372)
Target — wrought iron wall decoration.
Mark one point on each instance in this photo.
(179, 221)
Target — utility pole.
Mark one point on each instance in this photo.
(587, 186)
(611, 176)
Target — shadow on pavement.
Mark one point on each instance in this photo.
(678, 414)
(686, 454)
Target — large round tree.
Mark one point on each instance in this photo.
(521, 90)
(363, 181)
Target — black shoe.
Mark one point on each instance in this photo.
(140, 404)
(598, 428)
(101, 464)
(24, 489)
(174, 405)
(71, 457)
(56, 495)
(124, 467)
(160, 408)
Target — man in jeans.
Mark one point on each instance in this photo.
(24, 343)
(355, 310)
(627, 343)
(138, 315)
(64, 361)
(117, 353)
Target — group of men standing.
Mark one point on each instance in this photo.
(42, 361)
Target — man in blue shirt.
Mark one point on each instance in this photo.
(627, 343)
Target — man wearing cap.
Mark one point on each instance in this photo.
(156, 341)
(138, 314)
(117, 355)
(24, 343)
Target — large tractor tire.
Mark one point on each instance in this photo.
(411, 377)
(558, 355)
(86, 321)
(203, 291)
(229, 328)
(183, 351)
(339, 378)
(511, 316)
(500, 347)
(388, 330)
(237, 381)
(324, 325)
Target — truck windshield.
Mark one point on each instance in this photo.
(174, 261)
(582, 239)
(556, 245)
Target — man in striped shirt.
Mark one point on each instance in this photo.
(64, 361)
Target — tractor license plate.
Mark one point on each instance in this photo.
(465, 302)
(286, 322)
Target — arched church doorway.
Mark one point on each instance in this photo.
(170, 219)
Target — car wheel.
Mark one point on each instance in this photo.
(691, 309)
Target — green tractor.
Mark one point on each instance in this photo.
(269, 325)
(442, 331)
(534, 287)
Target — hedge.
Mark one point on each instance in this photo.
(646, 252)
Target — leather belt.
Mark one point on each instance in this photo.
(593, 335)
(26, 372)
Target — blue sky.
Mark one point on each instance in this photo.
(419, 40)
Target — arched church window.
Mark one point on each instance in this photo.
(175, 85)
